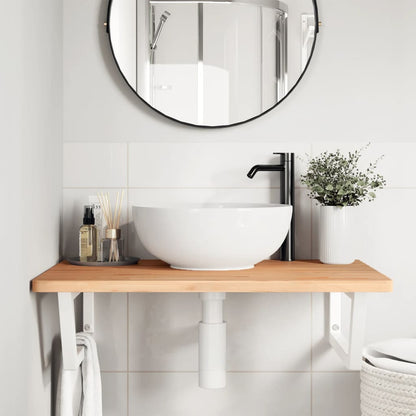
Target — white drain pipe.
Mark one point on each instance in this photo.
(212, 342)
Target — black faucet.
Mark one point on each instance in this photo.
(287, 196)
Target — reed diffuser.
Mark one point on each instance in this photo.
(112, 218)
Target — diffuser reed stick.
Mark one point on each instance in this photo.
(112, 218)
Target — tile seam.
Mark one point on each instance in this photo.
(230, 372)
(211, 187)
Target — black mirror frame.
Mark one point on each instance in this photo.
(107, 24)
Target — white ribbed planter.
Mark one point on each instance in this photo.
(335, 244)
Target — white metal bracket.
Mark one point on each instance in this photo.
(72, 355)
(348, 346)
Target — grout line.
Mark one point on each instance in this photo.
(311, 349)
(136, 46)
(210, 187)
(127, 249)
(312, 230)
(184, 188)
(113, 372)
(230, 372)
(311, 346)
(311, 303)
(311, 393)
(95, 187)
(128, 352)
(176, 187)
(127, 294)
(127, 164)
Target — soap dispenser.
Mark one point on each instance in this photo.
(88, 236)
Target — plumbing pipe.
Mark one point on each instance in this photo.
(212, 342)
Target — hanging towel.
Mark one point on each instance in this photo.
(79, 391)
(398, 355)
(69, 392)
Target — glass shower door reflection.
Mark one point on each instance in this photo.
(216, 63)
(174, 61)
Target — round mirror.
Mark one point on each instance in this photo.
(212, 63)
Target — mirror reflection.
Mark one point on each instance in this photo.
(212, 63)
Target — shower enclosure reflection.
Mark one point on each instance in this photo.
(211, 63)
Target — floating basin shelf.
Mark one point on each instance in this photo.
(353, 280)
(268, 276)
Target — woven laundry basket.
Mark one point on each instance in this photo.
(387, 393)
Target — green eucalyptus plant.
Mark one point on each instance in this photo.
(334, 179)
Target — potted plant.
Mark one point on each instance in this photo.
(337, 183)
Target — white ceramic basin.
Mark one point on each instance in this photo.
(212, 236)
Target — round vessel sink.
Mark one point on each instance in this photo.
(212, 236)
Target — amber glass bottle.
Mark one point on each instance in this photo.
(88, 236)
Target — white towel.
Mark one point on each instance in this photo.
(70, 400)
(398, 355)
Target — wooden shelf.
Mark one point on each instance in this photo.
(268, 276)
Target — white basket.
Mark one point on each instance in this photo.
(387, 393)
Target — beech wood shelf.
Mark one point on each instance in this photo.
(352, 280)
(267, 276)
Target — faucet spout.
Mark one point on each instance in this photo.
(253, 171)
(265, 168)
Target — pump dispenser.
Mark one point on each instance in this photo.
(88, 236)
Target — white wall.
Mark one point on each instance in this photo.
(30, 175)
(353, 71)
(360, 87)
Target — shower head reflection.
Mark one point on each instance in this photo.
(163, 18)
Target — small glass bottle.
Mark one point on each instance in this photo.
(113, 245)
(88, 236)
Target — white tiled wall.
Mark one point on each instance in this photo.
(178, 394)
(278, 359)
